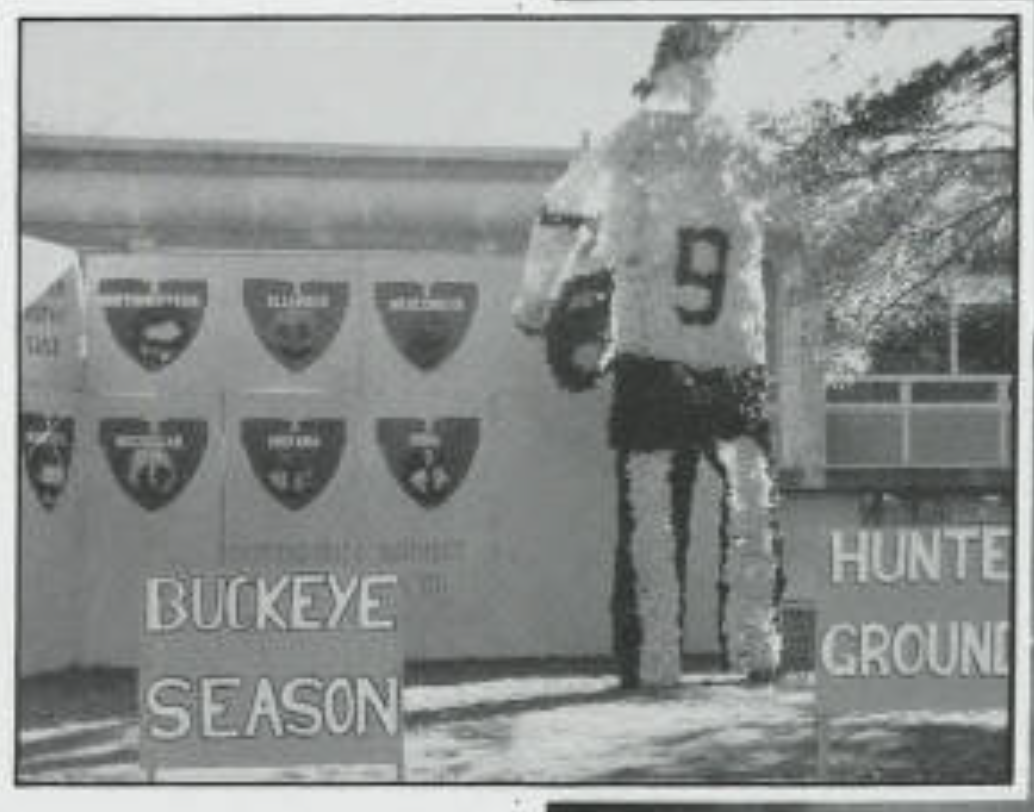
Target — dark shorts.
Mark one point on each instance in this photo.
(662, 405)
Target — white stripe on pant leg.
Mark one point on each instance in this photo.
(653, 564)
(753, 639)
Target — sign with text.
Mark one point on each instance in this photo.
(270, 668)
(153, 461)
(294, 460)
(296, 322)
(427, 324)
(153, 322)
(915, 618)
(47, 443)
(51, 330)
(429, 461)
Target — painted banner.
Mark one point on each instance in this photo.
(156, 468)
(269, 668)
(915, 618)
(380, 411)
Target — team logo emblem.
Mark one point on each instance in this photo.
(153, 461)
(429, 463)
(426, 324)
(293, 460)
(154, 322)
(700, 274)
(47, 447)
(296, 323)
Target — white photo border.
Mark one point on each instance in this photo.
(524, 796)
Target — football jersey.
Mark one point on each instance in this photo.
(683, 236)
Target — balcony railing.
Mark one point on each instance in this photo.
(920, 421)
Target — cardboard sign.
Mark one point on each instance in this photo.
(426, 324)
(270, 668)
(915, 618)
(429, 459)
(296, 322)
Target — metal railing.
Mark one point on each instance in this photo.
(921, 421)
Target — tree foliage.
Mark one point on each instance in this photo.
(897, 189)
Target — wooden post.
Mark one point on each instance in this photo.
(822, 737)
(822, 721)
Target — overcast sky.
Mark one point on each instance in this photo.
(431, 83)
(403, 83)
(415, 83)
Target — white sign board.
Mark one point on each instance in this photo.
(270, 668)
(915, 618)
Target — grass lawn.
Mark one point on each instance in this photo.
(552, 722)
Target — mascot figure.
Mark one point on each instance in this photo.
(645, 263)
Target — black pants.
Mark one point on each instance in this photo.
(664, 420)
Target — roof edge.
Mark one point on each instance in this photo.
(117, 145)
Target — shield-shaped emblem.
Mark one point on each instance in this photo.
(426, 324)
(153, 461)
(701, 272)
(296, 323)
(294, 460)
(429, 462)
(47, 442)
(154, 322)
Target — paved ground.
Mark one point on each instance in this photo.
(551, 726)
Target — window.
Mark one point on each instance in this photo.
(971, 338)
